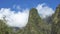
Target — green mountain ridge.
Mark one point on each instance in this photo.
(35, 24)
(56, 21)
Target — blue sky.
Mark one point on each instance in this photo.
(17, 11)
(28, 3)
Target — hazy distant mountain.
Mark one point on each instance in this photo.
(48, 19)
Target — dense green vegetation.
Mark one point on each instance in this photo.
(4, 29)
(56, 21)
(35, 24)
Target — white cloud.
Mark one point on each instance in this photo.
(20, 19)
(44, 10)
(13, 19)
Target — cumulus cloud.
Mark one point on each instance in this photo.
(44, 10)
(20, 19)
(14, 19)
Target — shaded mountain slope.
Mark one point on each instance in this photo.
(56, 21)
